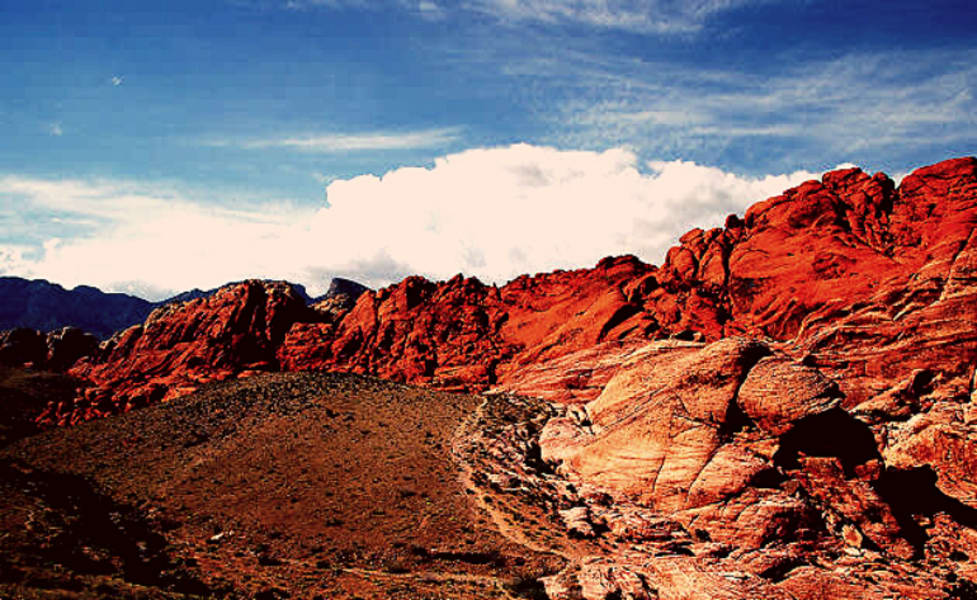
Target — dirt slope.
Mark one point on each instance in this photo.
(335, 486)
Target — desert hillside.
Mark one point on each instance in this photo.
(309, 485)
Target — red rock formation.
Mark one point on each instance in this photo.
(857, 433)
(183, 345)
(807, 264)
(463, 334)
(827, 265)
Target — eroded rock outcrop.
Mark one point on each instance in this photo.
(852, 269)
(710, 435)
(22, 346)
(66, 346)
(821, 519)
(182, 345)
(55, 351)
(463, 334)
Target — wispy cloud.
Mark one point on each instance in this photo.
(645, 16)
(842, 108)
(340, 142)
(430, 10)
(305, 4)
(55, 129)
(640, 16)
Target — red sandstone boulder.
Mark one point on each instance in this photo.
(722, 437)
(778, 392)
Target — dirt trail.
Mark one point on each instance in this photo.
(463, 436)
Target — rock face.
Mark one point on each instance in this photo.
(180, 346)
(344, 289)
(463, 334)
(22, 346)
(850, 426)
(827, 263)
(734, 438)
(66, 345)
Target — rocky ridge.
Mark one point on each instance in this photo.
(844, 268)
(232, 332)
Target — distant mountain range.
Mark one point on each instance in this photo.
(45, 306)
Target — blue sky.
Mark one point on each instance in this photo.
(227, 119)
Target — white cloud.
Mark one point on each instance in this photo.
(642, 16)
(430, 10)
(13, 258)
(500, 212)
(142, 233)
(854, 105)
(323, 178)
(338, 142)
(491, 212)
(646, 16)
(55, 129)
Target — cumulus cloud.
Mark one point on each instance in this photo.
(500, 212)
(490, 212)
